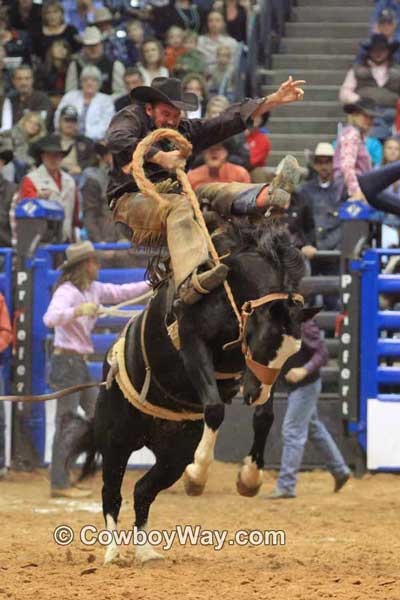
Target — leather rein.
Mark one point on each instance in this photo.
(265, 374)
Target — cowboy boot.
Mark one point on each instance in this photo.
(287, 178)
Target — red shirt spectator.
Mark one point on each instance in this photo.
(217, 170)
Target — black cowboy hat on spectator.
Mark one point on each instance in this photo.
(387, 15)
(168, 90)
(378, 40)
(6, 151)
(50, 143)
(363, 105)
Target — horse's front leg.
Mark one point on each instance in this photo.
(199, 365)
(250, 477)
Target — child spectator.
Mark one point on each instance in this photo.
(134, 40)
(174, 47)
(152, 58)
(196, 84)
(258, 142)
(192, 61)
(222, 75)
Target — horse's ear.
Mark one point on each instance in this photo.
(309, 312)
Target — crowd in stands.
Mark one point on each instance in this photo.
(68, 66)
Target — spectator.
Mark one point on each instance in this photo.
(378, 78)
(26, 15)
(152, 59)
(50, 77)
(132, 79)
(214, 37)
(222, 74)
(179, 13)
(174, 47)
(95, 109)
(97, 217)
(302, 375)
(5, 76)
(81, 13)
(8, 196)
(196, 84)
(6, 336)
(92, 53)
(80, 148)
(192, 61)
(353, 163)
(217, 169)
(134, 40)
(15, 43)
(387, 26)
(258, 142)
(49, 181)
(72, 312)
(323, 195)
(380, 6)
(24, 97)
(114, 42)
(54, 29)
(29, 129)
(236, 145)
(391, 154)
(235, 14)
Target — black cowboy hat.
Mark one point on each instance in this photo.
(6, 151)
(50, 143)
(168, 90)
(364, 105)
(378, 40)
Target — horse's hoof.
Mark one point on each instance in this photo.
(145, 554)
(112, 556)
(244, 490)
(191, 487)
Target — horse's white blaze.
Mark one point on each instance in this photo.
(288, 347)
(250, 474)
(112, 550)
(203, 457)
(145, 552)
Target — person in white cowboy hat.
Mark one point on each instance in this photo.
(92, 53)
(72, 313)
(164, 104)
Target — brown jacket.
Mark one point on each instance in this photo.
(131, 125)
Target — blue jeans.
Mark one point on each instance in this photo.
(302, 422)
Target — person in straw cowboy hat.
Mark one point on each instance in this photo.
(163, 104)
(72, 312)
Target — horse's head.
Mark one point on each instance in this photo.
(269, 273)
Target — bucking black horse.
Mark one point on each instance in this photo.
(203, 376)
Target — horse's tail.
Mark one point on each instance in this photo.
(86, 444)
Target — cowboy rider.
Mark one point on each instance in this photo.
(163, 104)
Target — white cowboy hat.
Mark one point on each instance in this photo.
(324, 149)
(91, 36)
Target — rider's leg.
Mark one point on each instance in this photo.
(150, 222)
(253, 198)
(374, 184)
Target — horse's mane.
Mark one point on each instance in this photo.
(271, 240)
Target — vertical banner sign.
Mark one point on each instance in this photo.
(23, 344)
(349, 346)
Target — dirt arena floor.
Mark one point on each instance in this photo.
(344, 546)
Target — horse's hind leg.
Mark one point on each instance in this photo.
(250, 476)
(167, 470)
(115, 459)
